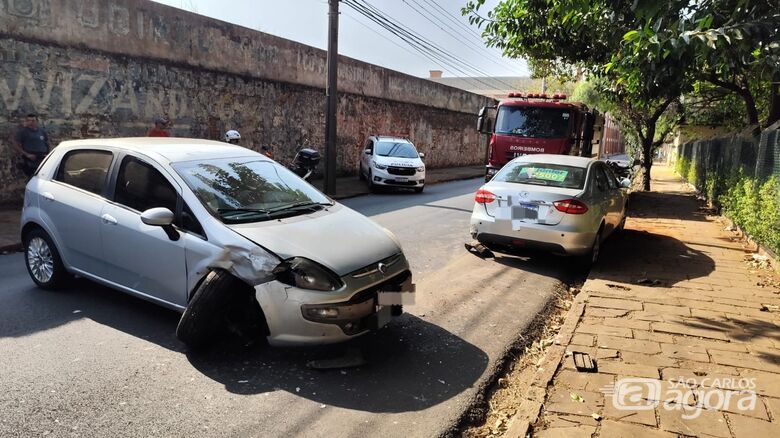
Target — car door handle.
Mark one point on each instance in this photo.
(47, 196)
(108, 219)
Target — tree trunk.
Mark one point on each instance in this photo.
(774, 100)
(647, 154)
(750, 106)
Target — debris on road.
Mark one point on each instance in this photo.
(351, 358)
(479, 250)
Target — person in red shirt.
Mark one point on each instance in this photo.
(160, 128)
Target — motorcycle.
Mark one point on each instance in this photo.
(305, 162)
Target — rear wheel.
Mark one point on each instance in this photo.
(589, 259)
(43, 260)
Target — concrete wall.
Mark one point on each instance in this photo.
(105, 68)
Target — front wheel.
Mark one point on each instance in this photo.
(419, 189)
(43, 260)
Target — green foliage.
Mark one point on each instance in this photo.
(750, 203)
(681, 166)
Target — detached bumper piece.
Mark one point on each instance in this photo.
(363, 311)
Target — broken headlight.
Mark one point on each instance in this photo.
(306, 274)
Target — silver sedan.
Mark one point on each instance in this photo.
(556, 203)
(218, 232)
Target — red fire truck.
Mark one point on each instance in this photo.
(535, 124)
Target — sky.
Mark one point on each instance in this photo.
(306, 21)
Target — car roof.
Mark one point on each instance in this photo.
(390, 137)
(565, 160)
(170, 149)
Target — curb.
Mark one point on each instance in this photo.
(498, 368)
(13, 247)
(528, 412)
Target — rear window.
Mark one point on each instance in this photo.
(85, 169)
(541, 174)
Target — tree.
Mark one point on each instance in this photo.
(732, 44)
(594, 36)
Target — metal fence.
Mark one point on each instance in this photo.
(755, 155)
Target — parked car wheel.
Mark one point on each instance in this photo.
(361, 177)
(43, 260)
(621, 226)
(419, 189)
(371, 186)
(218, 298)
(592, 256)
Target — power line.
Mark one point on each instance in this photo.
(471, 45)
(425, 41)
(413, 41)
(453, 18)
(383, 36)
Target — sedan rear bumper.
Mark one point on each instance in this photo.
(557, 239)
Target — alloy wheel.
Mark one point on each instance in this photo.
(40, 259)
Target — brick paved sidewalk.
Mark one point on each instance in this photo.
(672, 300)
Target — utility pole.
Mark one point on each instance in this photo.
(331, 93)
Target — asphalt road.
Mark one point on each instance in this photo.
(89, 361)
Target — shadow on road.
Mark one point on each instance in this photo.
(410, 365)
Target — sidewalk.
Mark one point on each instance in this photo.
(346, 187)
(351, 186)
(685, 334)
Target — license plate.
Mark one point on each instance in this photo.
(402, 179)
(525, 211)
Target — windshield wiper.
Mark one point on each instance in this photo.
(297, 205)
(243, 210)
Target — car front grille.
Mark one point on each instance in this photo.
(406, 171)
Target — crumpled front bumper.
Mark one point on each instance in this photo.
(304, 317)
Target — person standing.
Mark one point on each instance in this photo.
(160, 128)
(33, 144)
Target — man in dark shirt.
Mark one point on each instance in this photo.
(33, 144)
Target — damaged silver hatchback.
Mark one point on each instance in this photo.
(221, 233)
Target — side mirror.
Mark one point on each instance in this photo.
(367, 151)
(625, 183)
(161, 217)
(422, 155)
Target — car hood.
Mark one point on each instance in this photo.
(338, 238)
(400, 162)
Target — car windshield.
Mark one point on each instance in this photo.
(542, 174)
(249, 189)
(396, 149)
(533, 121)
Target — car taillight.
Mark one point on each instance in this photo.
(571, 206)
(484, 197)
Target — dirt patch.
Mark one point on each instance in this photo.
(510, 390)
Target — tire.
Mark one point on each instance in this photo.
(371, 186)
(361, 177)
(419, 189)
(217, 299)
(43, 261)
(621, 226)
(589, 259)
